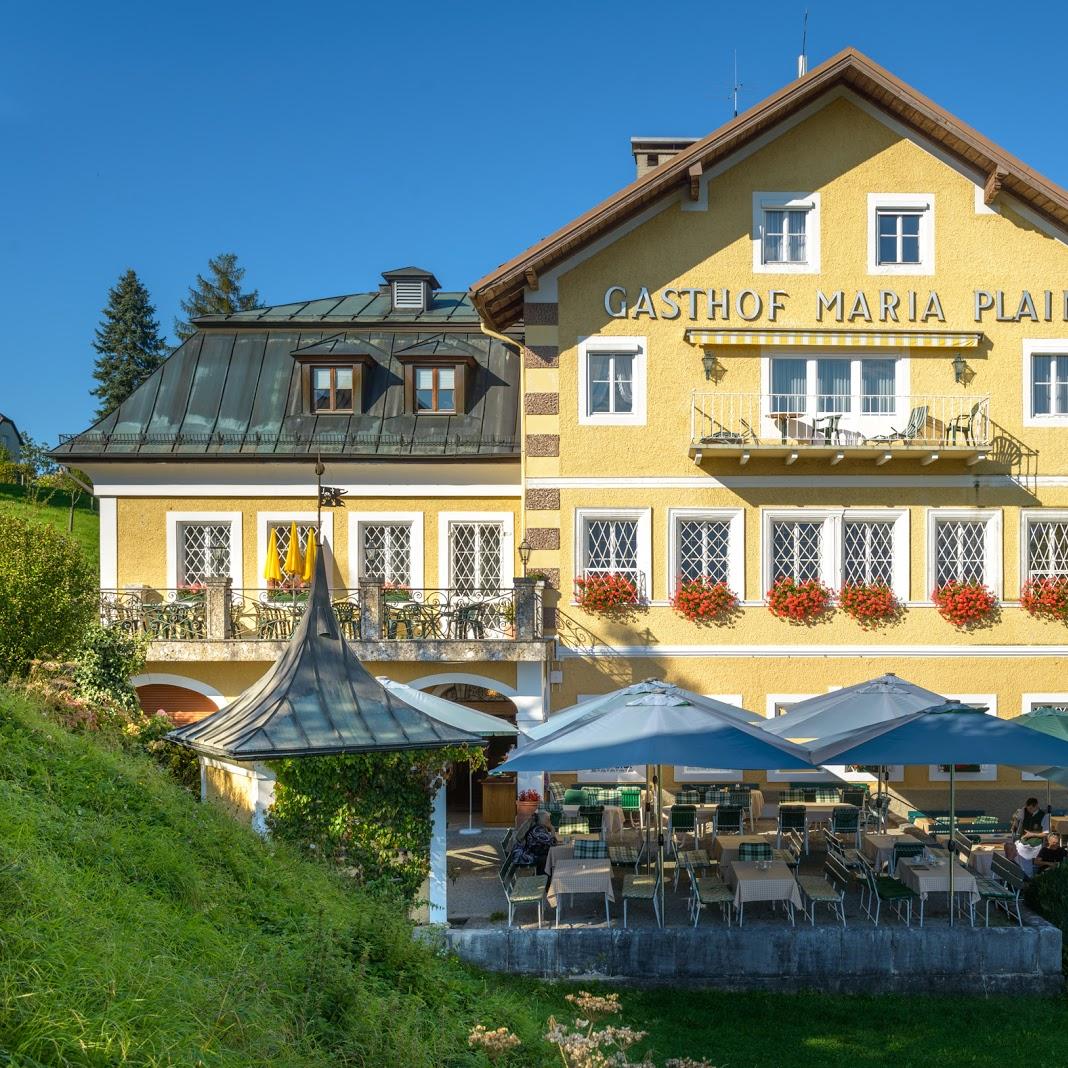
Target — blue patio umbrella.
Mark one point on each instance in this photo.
(949, 733)
(657, 726)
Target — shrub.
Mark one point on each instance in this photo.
(869, 603)
(1047, 893)
(107, 659)
(1046, 597)
(704, 600)
(965, 604)
(49, 594)
(799, 602)
(606, 593)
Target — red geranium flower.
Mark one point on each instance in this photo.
(799, 602)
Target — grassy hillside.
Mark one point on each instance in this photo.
(54, 509)
(138, 927)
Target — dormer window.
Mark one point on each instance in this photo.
(332, 375)
(331, 389)
(436, 384)
(410, 289)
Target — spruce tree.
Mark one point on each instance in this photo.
(128, 342)
(218, 294)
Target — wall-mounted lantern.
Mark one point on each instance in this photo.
(714, 370)
(524, 554)
(962, 373)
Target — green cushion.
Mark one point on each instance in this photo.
(528, 888)
(639, 886)
(991, 888)
(888, 887)
(712, 891)
(817, 888)
(574, 796)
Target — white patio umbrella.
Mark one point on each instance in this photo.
(453, 714)
(657, 726)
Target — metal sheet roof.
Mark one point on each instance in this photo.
(236, 393)
(375, 307)
(318, 699)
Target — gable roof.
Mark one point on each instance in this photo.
(317, 699)
(499, 295)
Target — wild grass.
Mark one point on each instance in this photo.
(53, 507)
(138, 927)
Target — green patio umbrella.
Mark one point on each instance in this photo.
(1052, 720)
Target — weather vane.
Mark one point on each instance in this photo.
(329, 496)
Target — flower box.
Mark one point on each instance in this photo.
(1046, 598)
(965, 604)
(869, 603)
(606, 593)
(800, 602)
(704, 600)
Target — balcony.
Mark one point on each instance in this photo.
(926, 427)
(217, 622)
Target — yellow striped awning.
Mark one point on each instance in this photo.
(880, 339)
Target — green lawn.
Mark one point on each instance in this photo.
(53, 507)
(138, 927)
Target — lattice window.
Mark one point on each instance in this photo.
(204, 552)
(703, 549)
(387, 552)
(611, 547)
(475, 556)
(868, 552)
(960, 551)
(1047, 549)
(797, 549)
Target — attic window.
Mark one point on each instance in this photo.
(333, 384)
(435, 384)
(409, 294)
(652, 160)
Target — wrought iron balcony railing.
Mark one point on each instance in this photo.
(739, 422)
(373, 613)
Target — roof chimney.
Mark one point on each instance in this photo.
(650, 152)
(411, 289)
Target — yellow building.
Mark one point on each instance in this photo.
(827, 342)
(207, 472)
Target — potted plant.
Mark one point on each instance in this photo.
(606, 593)
(1046, 598)
(965, 604)
(869, 603)
(799, 602)
(703, 599)
(396, 591)
(526, 804)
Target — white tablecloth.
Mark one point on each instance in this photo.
(917, 874)
(752, 884)
(581, 877)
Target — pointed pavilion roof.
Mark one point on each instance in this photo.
(317, 700)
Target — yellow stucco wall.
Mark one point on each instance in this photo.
(142, 531)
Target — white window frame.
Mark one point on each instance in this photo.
(1029, 516)
(735, 545)
(909, 202)
(807, 202)
(176, 519)
(1040, 347)
(358, 519)
(833, 519)
(688, 773)
(644, 517)
(992, 545)
(986, 772)
(1028, 703)
(602, 345)
(507, 521)
(264, 520)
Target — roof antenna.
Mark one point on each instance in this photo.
(735, 85)
(802, 60)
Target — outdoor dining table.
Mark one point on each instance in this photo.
(572, 876)
(725, 846)
(879, 848)
(755, 880)
(981, 858)
(925, 878)
(566, 849)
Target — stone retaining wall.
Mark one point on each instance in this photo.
(858, 959)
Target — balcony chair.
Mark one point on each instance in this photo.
(347, 615)
(963, 425)
(916, 424)
(723, 436)
(827, 427)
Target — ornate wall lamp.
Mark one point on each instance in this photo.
(524, 554)
(714, 370)
(962, 373)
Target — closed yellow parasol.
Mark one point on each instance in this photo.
(309, 558)
(294, 564)
(273, 571)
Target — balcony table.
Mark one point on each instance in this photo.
(753, 883)
(784, 419)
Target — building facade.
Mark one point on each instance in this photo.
(205, 474)
(829, 341)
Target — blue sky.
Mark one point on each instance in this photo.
(326, 142)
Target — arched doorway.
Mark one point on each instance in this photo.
(183, 700)
(493, 703)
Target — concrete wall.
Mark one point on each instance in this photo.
(764, 956)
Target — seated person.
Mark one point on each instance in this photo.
(536, 843)
(1051, 854)
(1030, 821)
